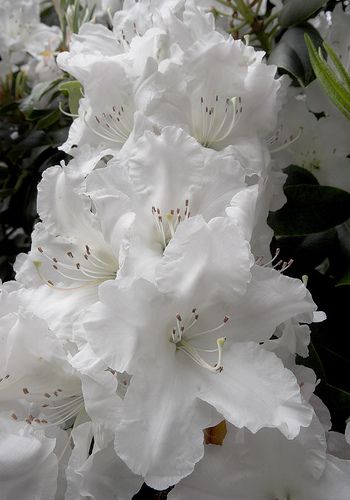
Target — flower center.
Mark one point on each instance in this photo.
(57, 406)
(115, 124)
(90, 270)
(213, 119)
(182, 339)
(167, 225)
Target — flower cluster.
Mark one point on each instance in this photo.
(25, 42)
(150, 335)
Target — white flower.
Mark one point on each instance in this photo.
(34, 366)
(217, 111)
(21, 31)
(266, 465)
(107, 113)
(160, 30)
(166, 180)
(189, 345)
(72, 253)
(320, 146)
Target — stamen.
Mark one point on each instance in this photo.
(173, 218)
(212, 330)
(115, 125)
(286, 143)
(280, 266)
(59, 414)
(93, 273)
(182, 340)
(215, 120)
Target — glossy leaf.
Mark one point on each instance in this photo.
(310, 209)
(291, 53)
(299, 175)
(297, 11)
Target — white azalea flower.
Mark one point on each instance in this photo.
(71, 253)
(303, 140)
(189, 345)
(21, 31)
(107, 113)
(218, 111)
(142, 30)
(266, 465)
(34, 366)
(166, 180)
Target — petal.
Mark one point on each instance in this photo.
(271, 299)
(212, 257)
(255, 390)
(28, 466)
(162, 438)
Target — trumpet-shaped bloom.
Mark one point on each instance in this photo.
(218, 112)
(22, 33)
(188, 343)
(167, 180)
(306, 142)
(71, 255)
(34, 366)
(266, 465)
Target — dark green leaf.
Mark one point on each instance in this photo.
(291, 53)
(345, 280)
(49, 119)
(310, 209)
(297, 11)
(299, 175)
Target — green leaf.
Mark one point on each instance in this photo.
(334, 88)
(49, 119)
(291, 53)
(299, 175)
(310, 209)
(297, 11)
(345, 280)
(73, 90)
(343, 74)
